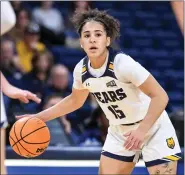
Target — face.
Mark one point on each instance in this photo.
(83, 5)
(22, 19)
(31, 39)
(47, 4)
(94, 39)
(60, 78)
(7, 50)
(43, 63)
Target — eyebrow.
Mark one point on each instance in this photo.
(94, 31)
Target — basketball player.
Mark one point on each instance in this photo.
(129, 95)
(7, 22)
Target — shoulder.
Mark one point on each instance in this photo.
(121, 60)
(78, 68)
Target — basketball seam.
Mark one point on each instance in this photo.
(31, 133)
(17, 139)
(22, 138)
(21, 129)
(21, 144)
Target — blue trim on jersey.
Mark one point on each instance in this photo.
(159, 161)
(108, 72)
(118, 157)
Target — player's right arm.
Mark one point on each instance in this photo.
(67, 105)
(8, 18)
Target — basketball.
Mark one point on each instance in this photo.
(29, 137)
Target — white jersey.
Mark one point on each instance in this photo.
(115, 87)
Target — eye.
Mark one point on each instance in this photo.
(98, 34)
(86, 36)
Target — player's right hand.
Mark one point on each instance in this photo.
(25, 115)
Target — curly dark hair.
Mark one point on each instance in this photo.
(111, 25)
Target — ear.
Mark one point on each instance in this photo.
(81, 44)
(108, 41)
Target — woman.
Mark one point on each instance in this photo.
(129, 95)
(7, 22)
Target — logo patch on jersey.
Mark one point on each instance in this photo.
(84, 70)
(111, 66)
(111, 84)
(170, 142)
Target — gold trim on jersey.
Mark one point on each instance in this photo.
(111, 66)
(84, 69)
(172, 157)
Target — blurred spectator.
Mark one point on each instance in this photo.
(72, 38)
(59, 81)
(28, 46)
(52, 100)
(23, 19)
(7, 58)
(96, 130)
(51, 23)
(36, 79)
(49, 17)
(17, 5)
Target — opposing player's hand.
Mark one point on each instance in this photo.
(24, 96)
(134, 140)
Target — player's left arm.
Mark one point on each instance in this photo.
(159, 101)
(136, 74)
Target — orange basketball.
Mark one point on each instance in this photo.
(29, 137)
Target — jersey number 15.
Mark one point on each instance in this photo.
(117, 112)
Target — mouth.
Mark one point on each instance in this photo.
(93, 48)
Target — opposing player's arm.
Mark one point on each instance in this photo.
(67, 105)
(159, 100)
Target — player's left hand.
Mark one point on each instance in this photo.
(24, 95)
(134, 140)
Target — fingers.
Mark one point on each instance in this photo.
(33, 97)
(132, 142)
(127, 134)
(24, 99)
(20, 116)
(135, 145)
(129, 143)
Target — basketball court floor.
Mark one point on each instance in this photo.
(65, 167)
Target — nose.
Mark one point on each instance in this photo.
(92, 39)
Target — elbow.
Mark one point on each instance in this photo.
(165, 99)
(80, 104)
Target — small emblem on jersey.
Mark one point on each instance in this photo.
(111, 84)
(170, 142)
(87, 84)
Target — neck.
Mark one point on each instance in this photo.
(98, 62)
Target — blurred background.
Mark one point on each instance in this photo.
(41, 51)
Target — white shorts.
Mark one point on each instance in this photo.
(160, 145)
(3, 118)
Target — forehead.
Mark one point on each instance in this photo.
(92, 26)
